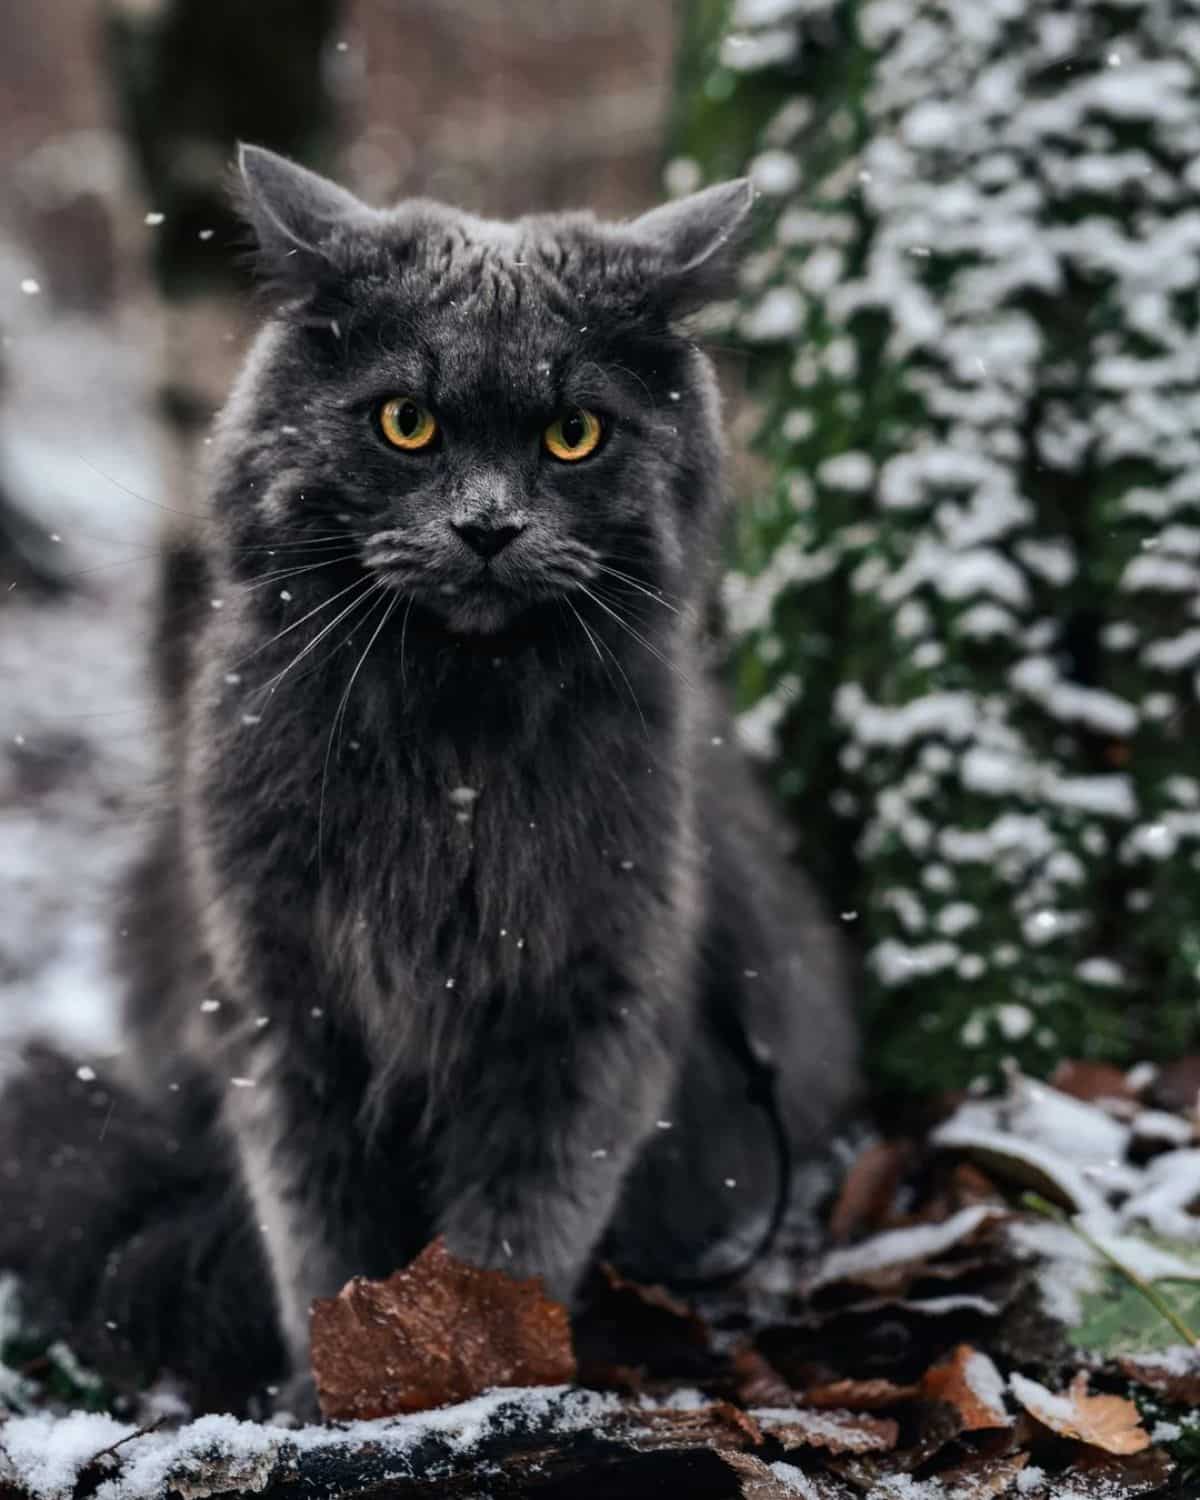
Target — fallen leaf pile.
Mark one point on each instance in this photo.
(949, 1342)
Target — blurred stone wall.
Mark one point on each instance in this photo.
(499, 105)
(61, 170)
(508, 105)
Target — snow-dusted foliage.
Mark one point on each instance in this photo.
(968, 609)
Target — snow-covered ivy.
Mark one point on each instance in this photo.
(966, 607)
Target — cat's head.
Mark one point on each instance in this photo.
(486, 418)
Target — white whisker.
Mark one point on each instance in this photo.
(272, 683)
(281, 573)
(641, 639)
(616, 663)
(637, 584)
(403, 638)
(325, 603)
(341, 710)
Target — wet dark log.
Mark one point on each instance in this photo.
(546, 1449)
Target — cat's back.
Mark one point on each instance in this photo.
(772, 949)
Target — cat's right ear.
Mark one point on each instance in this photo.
(698, 241)
(296, 216)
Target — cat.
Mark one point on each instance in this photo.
(465, 917)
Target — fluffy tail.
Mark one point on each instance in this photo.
(131, 1236)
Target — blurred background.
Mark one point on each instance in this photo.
(962, 606)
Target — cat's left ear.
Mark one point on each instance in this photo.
(698, 239)
(295, 214)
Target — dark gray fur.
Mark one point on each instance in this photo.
(476, 880)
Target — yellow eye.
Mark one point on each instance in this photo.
(407, 424)
(573, 435)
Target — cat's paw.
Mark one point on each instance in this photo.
(510, 1248)
(296, 1402)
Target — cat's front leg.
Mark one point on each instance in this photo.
(536, 1156)
(294, 1176)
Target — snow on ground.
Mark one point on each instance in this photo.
(78, 444)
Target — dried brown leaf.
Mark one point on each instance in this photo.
(857, 1395)
(719, 1424)
(756, 1381)
(1176, 1085)
(835, 1431)
(869, 1188)
(740, 1421)
(1108, 1476)
(1108, 1422)
(981, 1478)
(935, 1424)
(971, 1383)
(656, 1299)
(646, 1328)
(436, 1332)
(968, 1185)
(1178, 1381)
(757, 1481)
(1091, 1081)
(760, 1481)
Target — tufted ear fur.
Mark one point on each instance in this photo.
(697, 240)
(297, 216)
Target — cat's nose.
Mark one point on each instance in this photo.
(488, 537)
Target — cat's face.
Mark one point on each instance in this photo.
(484, 418)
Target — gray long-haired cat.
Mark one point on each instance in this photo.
(467, 920)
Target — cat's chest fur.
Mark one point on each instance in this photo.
(420, 859)
(488, 873)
